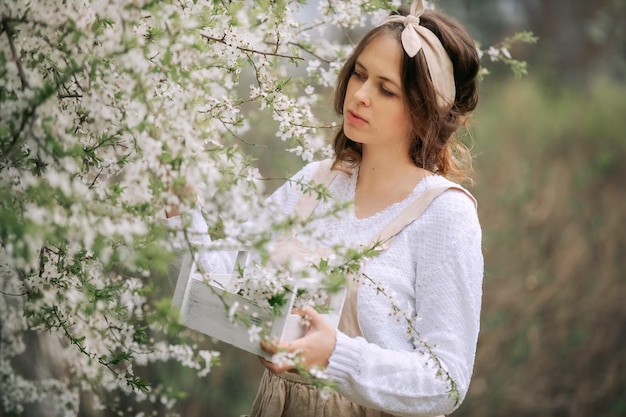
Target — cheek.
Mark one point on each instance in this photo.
(402, 120)
(349, 92)
(346, 99)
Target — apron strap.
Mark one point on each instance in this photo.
(349, 321)
(412, 212)
(308, 201)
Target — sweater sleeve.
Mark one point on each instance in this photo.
(190, 228)
(395, 374)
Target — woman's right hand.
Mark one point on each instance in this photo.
(314, 349)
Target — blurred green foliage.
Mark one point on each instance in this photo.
(550, 186)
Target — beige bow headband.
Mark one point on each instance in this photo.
(416, 37)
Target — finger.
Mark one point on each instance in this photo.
(274, 367)
(305, 310)
(269, 365)
(308, 314)
(290, 346)
(269, 347)
(315, 319)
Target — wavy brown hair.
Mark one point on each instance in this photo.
(434, 146)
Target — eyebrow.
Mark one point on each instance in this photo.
(389, 80)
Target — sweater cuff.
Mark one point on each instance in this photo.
(172, 223)
(187, 227)
(344, 362)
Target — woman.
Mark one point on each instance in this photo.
(402, 94)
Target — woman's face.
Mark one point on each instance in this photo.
(375, 112)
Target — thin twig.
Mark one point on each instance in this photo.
(9, 294)
(253, 51)
(307, 50)
(70, 95)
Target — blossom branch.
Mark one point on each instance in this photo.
(253, 51)
(453, 389)
(310, 51)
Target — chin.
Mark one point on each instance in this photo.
(350, 133)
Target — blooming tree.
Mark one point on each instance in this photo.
(109, 110)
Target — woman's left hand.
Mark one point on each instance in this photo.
(314, 348)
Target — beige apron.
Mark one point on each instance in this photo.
(289, 394)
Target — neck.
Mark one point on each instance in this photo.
(384, 178)
(379, 168)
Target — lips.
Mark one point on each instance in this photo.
(355, 118)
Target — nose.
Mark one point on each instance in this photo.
(362, 94)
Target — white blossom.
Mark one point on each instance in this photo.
(112, 109)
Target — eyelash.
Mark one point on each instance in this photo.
(362, 77)
(358, 75)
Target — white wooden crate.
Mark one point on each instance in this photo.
(204, 305)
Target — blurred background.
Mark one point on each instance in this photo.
(550, 180)
(550, 152)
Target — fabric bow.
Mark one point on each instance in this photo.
(415, 38)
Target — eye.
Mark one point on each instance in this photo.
(386, 92)
(359, 75)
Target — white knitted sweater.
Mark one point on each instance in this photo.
(434, 268)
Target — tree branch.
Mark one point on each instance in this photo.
(253, 51)
(9, 294)
(307, 50)
(70, 95)
(6, 27)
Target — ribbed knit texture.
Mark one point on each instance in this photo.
(433, 268)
